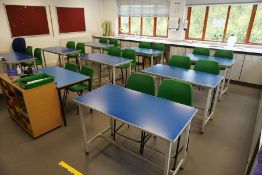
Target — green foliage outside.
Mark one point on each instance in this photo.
(124, 24)
(197, 21)
(162, 24)
(135, 25)
(148, 26)
(256, 34)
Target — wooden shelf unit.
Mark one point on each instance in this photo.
(36, 110)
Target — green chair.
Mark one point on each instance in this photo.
(71, 67)
(103, 40)
(113, 41)
(177, 91)
(207, 66)
(142, 82)
(129, 54)
(224, 54)
(201, 51)
(29, 50)
(71, 45)
(81, 47)
(38, 56)
(145, 45)
(180, 61)
(114, 51)
(81, 87)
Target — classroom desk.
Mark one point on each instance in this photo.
(209, 81)
(64, 78)
(160, 117)
(60, 51)
(108, 60)
(15, 58)
(98, 45)
(223, 62)
(147, 52)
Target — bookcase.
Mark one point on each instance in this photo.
(36, 110)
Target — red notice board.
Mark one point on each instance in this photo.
(71, 19)
(27, 20)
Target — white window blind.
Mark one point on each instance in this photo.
(214, 2)
(143, 7)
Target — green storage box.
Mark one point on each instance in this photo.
(35, 80)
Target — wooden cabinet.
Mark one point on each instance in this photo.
(36, 110)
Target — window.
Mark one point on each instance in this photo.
(124, 25)
(135, 25)
(197, 22)
(145, 26)
(162, 26)
(148, 26)
(256, 34)
(218, 22)
(238, 21)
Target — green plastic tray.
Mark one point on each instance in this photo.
(39, 80)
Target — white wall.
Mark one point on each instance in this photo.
(93, 18)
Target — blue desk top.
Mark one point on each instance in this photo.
(105, 59)
(63, 77)
(158, 116)
(16, 57)
(60, 50)
(190, 76)
(144, 51)
(98, 44)
(222, 61)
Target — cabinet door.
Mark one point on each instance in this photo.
(252, 70)
(236, 69)
(176, 50)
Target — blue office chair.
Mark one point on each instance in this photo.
(19, 45)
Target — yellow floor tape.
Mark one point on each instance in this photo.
(69, 168)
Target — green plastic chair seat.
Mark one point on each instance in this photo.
(81, 47)
(78, 87)
(114, 51)
(145, 45)
(177, 91)
(129, 54)
(71, 67)
(207, 66)
(180, 61)
(142, 83)
(224, 54)
(38, 60)
(201, 51)
(103, 40)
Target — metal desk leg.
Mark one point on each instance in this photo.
(162, 58)
(61, 106)
(83, 125)
(130, 69)
(152, 60)
(206, 112)
(10, 66)
(187, 132)
(44, 58)
(228, 78)
(114, 75)
(223, 85)
(59, 60)
(213, 107)
(100, 72)
(35, 64)
(167, 158)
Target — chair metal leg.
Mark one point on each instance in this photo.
(126, 77)
(122, 76)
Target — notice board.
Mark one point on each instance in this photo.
(71, 19)
(27, 20)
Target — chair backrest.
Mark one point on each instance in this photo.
(207, 66)
(224, 54)
(38, 55)
(157, 46)
(19, 45)
(142, 82)
(29, 50)
(129, 54)
(81, 47)
(201, 51)
(88, 71)
(145, 45)
(70, 66)
(71, 44)
(177, 91)
(114, 51)
(103, 40)
(180, 61)
(113, 41)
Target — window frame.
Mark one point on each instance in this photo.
(141, 27)
(248, 33)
